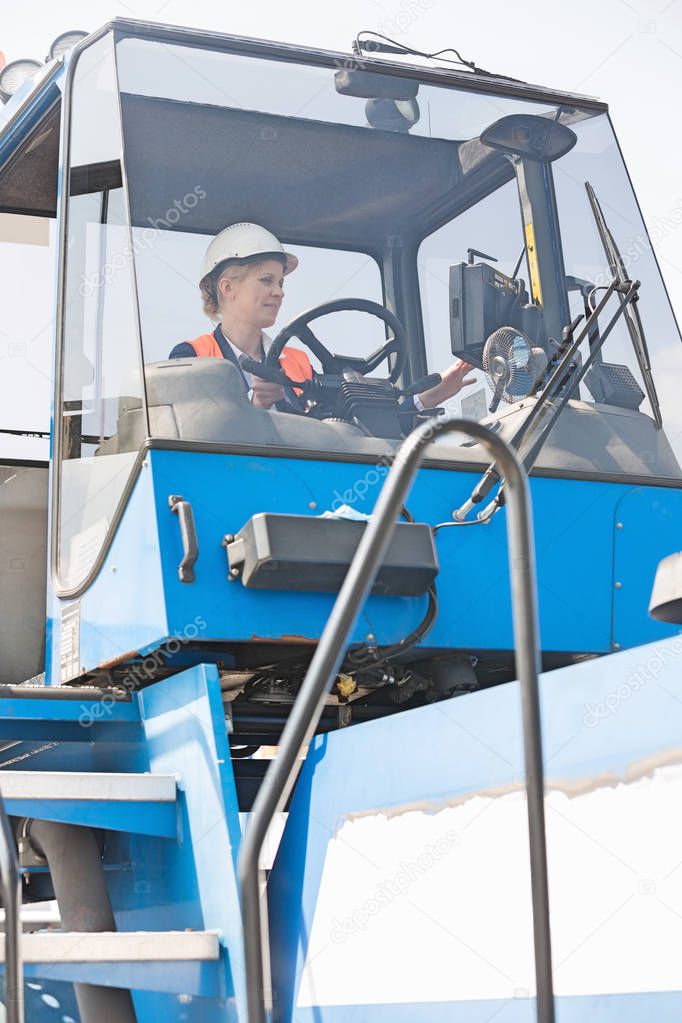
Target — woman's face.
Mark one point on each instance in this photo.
(256, 299)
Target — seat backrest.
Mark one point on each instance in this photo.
(205, 400)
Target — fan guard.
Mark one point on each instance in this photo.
(512, 365)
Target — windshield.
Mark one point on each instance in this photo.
(461, 214)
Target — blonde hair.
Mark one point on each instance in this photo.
(208, 285)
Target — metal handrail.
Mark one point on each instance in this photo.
(307, 710)
(10, 889)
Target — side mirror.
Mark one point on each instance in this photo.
(530, 136)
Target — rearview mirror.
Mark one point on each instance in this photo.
(530, 136)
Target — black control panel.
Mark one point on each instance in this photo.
(483, 299)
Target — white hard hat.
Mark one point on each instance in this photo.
(244, 241)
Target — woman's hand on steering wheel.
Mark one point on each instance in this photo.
(264, 393)
(393, 351)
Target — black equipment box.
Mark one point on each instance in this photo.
(483, 299)
(309, 553)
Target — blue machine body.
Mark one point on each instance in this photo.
(168, 867)
(587, 534)
(609, 727)
(611, 731)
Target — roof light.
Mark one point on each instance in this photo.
(65, 42)
(392, 114)
(14, 74)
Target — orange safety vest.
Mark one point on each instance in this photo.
(294, 362)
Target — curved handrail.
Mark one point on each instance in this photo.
(10, 888)
(306, 712)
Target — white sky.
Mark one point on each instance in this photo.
(627, 52)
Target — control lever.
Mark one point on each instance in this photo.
(567, 336)
(292, 388)
(278, 376)
(425, 384)
(270, 373)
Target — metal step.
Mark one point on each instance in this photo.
(138, 803)
(176, 961)
(48, 785)
(67, 714)
(118, 946)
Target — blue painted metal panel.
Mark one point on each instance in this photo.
(142, 603)
(663, 1007)
(142, 818)
(186, 880)
(182, 1008)
(573, 523)
(181, 977)
(50, 1002)
(646, 529)
(634, 1009)
(185, 732)
(69, 720)
(102, 755)
(224, 492)
(599, 718)
(124, 609)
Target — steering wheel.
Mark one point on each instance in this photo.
(395, 345)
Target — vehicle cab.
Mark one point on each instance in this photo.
(436, 214)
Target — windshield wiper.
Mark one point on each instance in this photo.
(632, 317)
(565, 372)
(563, 377)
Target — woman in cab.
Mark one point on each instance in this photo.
(242, 287)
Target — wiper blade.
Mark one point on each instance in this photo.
(627, 294)
(566, 374)
(632, 317)
(562, 381)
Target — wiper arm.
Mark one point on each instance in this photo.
(627, 295)
(562, 382)
(632, 317)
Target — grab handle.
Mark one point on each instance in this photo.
(190, 545)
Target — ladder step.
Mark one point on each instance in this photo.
(136, 959)
(129, 788)
(63, 714)
(118, 946)
(138, 803)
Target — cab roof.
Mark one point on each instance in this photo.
(29, 137)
